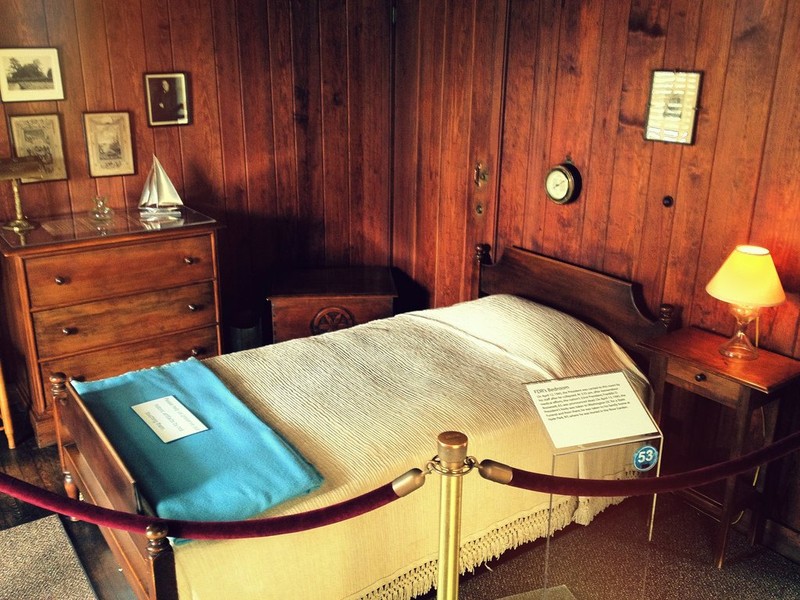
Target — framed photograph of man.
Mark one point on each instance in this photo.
(167, 99)
(30, 75)
(108, 143)
(40, 135)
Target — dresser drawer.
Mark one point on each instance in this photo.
(80, 276)
(710, 384)
(107, 362)
(83, 327)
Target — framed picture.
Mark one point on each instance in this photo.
(672, 111)
(108, 143)
(30, 74)
(40, 135)
(167, 99)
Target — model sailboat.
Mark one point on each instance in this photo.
(159, 198)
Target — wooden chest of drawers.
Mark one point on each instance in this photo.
(313, 301)
(95, 302)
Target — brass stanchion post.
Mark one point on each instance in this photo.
(452, 458)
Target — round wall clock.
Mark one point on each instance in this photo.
(563, 183)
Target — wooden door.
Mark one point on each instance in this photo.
(448, 82)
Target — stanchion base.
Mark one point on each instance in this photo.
(560, 592)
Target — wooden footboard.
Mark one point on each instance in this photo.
(93, 467)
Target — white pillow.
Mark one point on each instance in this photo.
(556, 342)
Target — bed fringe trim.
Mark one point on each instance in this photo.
(489, 546)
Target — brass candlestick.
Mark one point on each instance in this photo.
(15, 169)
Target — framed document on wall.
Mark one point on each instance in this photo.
(40, 135)
(108, 143)
(672, 111)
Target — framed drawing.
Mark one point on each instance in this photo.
(108, 143)
(672, 112)
(40, 135)
(167, 99)
(30, 74)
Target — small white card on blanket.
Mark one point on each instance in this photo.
(168, 418)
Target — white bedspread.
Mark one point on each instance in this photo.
(366, 404)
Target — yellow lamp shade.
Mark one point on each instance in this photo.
(747, 278)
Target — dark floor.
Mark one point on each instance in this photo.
(41, 467)
(610, 559)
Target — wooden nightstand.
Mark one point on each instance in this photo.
(689, 359)
(313, 301)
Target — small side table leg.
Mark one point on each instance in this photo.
(785, 418)
(657, 375)
(721, 541)
(729, 499)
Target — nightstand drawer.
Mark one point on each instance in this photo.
(83, 327)
(82, 276)
(687, 374)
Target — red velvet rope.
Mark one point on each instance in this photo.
(569, 486)
(215, 530)
(198, 530)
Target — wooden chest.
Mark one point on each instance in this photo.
(314, 301)
(95, 300)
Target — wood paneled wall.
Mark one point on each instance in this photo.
(578, 82)
(291, 118)
(317, 138)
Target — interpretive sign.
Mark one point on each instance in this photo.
(585, 410)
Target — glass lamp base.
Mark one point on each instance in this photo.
(739, 346)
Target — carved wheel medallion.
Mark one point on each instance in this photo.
(331, 318)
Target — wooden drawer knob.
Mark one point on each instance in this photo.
(69, 330)
(60, 280)
(197, 351)
(193, 307)
(189, 260)
(700, 377)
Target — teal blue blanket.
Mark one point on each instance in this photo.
(236, 469)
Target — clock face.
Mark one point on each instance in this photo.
(563, 183)
(557, 184)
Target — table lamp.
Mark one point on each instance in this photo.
(14, 169)
(748, 281)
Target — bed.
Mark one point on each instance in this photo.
(361, 424)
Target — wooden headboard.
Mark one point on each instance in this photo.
(614, 306)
